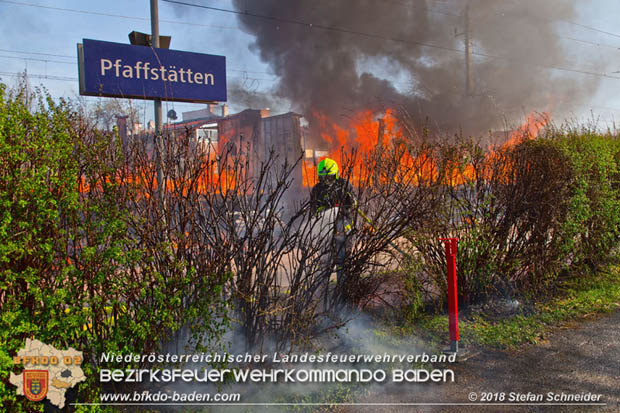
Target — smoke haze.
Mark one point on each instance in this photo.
(338, 72)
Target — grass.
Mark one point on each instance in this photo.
(576, 298)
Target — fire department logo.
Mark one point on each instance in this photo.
(48, 372)
(36, 384)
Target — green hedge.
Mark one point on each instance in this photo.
(591, 228)
(72, 270)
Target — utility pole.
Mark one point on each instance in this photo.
(157, 103)
(469, 77)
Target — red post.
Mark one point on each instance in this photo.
(453, 309)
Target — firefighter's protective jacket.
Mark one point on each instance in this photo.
(330, 194)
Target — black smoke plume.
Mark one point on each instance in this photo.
(337, 57)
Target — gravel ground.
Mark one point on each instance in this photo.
(577, 358)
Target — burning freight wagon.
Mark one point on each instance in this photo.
(249, 138)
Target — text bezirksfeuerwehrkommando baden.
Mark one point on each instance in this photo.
(295, 375)
(352, 371)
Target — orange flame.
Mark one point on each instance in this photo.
(144, 180)
(530, 129)
(362, 136)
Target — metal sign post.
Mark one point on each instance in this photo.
(157, 140)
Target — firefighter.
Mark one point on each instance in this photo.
(332, 191)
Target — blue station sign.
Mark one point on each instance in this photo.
(141, 72)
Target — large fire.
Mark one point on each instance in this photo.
(367, 131)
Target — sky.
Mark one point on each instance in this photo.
(40, 36)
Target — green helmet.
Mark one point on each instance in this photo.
(327, 167)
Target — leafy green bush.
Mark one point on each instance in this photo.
(37, 181)
(591, 227)
(80, 265)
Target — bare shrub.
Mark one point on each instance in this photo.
(397, 193)
(506, 207)
(279, 256)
